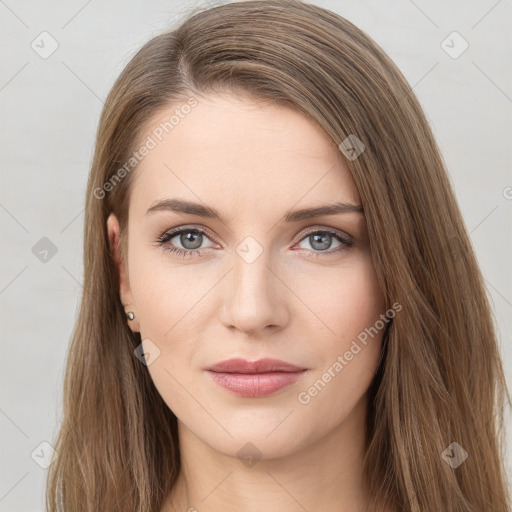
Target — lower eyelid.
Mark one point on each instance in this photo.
(345, 242)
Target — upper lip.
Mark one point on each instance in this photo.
(239, 365)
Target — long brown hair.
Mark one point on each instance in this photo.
(441, 379)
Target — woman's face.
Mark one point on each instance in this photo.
(251, 283)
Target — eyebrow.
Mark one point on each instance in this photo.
(187, 207)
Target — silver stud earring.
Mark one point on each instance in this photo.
(130, 315)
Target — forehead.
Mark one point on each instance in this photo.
(239, 152)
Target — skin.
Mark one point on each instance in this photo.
(253, 161)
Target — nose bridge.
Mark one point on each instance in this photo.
(251, 271)
(252, 300)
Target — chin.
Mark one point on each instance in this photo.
(253, 446)
(269, 434)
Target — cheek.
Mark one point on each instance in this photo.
(159, 303)
(344, 300)
(348, 306)
(173, 302)
(166, 295)
(168, 303)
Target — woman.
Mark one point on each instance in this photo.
(282, 310)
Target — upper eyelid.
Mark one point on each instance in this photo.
(173, 232)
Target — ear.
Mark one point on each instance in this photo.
(125, 292)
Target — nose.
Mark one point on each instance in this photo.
(254, 296)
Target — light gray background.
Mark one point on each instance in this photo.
(50, 109)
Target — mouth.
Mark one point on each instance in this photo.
(255, 379)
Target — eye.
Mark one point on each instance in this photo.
(191, 240)
(321, 240)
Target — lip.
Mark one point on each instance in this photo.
(255, 378)
(239, 365)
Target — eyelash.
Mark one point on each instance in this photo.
(169, 235)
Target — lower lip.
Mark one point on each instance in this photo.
(256, 384)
